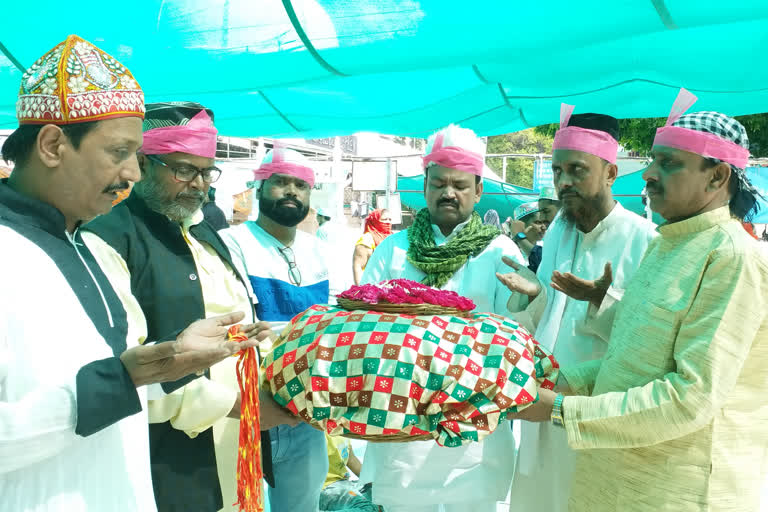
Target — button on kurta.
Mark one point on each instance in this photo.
(193, 277)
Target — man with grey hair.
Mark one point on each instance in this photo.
(180, 269)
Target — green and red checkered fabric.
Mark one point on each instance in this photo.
(371, 373)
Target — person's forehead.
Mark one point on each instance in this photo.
(279, 176)
(186, 158)
(569, 157)
(658, 150)
(439, 172)
(546, 203)
(119, 131)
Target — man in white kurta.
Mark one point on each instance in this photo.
(73, 420)
(592, 230)
(421, 476)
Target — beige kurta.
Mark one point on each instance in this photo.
(677, 418)
(203, 403)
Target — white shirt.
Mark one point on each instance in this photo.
(621, 238)
(45, 338)
(423, 473)
(283, 281)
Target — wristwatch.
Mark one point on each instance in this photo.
(557, 411)
(521, 236)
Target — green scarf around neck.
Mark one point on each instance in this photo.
(441, 262)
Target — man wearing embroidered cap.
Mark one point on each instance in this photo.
(447, 247)
(549, 206)
(535, 225)
(72, 367)
(175, 257)
(549, 203)
(287, 274)
(673, 417)
(591, 230)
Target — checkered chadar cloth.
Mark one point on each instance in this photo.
(378, 374)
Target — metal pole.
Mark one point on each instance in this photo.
(504, 169)
(389, 182)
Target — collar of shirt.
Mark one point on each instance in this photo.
(441, 239)
(194, 220)
(612, 218)
(696, 224)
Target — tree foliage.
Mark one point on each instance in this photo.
(519, 170)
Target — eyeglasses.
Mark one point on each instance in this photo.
(293, 270)
(187, 173)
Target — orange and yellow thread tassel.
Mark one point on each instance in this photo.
(250, 492)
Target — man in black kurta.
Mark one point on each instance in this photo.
(180, 269)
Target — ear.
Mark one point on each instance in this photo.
(721, 174)
(613, 173)
(143, 162)
(478, 191)
(50, 145)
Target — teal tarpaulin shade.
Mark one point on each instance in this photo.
(311, 68)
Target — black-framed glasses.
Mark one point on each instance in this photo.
(187, 173)
(293, 271)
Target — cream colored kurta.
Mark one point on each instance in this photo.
(678, 416)
(203, 403)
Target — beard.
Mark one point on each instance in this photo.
(277, 210)
(583, 210)
(178, 209)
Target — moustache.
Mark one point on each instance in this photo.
(452, 202)
(117, 187)
(282, 202)
(568, 193)
(653, 187)
(199, 196)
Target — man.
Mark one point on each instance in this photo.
(535, 225)
(447, 247)
(72, 371)
(592, 229)
(549, 204)
(287, 276)
(324, 219)
(181, 270)
(674, 415)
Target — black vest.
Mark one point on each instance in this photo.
(164, 280)
(105, 392)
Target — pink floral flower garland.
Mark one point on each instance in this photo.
(405, 291)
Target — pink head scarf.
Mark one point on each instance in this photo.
(277, 162)
(197, 137)
(702, 143)
(454, 157)
(574, 138)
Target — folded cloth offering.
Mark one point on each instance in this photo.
(401, 377)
